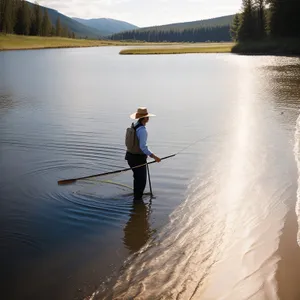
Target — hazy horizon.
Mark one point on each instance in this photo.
(145, 13)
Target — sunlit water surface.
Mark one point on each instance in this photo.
(222, 224)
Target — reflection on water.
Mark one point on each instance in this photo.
(283, 84)
(6, 101)
(137, 230)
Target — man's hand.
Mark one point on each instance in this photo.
(156, 158)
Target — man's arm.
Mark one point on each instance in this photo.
(142, 137)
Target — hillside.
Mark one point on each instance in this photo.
(220, 21)
(213, 30)
(79, 29)
(107, 26)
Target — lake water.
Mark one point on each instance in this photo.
(223, 223)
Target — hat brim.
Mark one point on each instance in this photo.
(136, 116)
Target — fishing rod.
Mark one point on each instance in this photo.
(71, 181)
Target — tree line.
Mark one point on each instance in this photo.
(267, 18)
(202, 34)
(18, 17)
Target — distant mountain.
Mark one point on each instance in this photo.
(107, 26)
(220, 21)
(78, 28)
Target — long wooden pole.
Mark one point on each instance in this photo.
(70, 181)
(150, 186)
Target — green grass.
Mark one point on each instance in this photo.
(181, 49)
(20, 42)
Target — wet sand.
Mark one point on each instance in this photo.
(288, 272)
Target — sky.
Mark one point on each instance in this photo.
(144, 13)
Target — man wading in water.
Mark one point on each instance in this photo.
(137, 150)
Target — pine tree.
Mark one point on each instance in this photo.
(1, 14)
(46, 24)
(235, 27)
(64, 31)
(284, 18)
(26, 18)
(73, 35)
(15, 4)
(18, 28)
(276, 28)
(8, 16)
(294, 20)
(22, 25)
(53, 31)
(260, 19)
(204, 34)
(32, 29)
(58, 27)
(36, 25)
(246, 30)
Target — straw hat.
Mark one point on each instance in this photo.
(141, 112)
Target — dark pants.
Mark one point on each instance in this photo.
(139, 174)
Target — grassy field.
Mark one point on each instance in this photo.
(19, 42)
(181, 49)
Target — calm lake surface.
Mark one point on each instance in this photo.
(224, 220)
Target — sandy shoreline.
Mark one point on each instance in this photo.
(288, 272)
